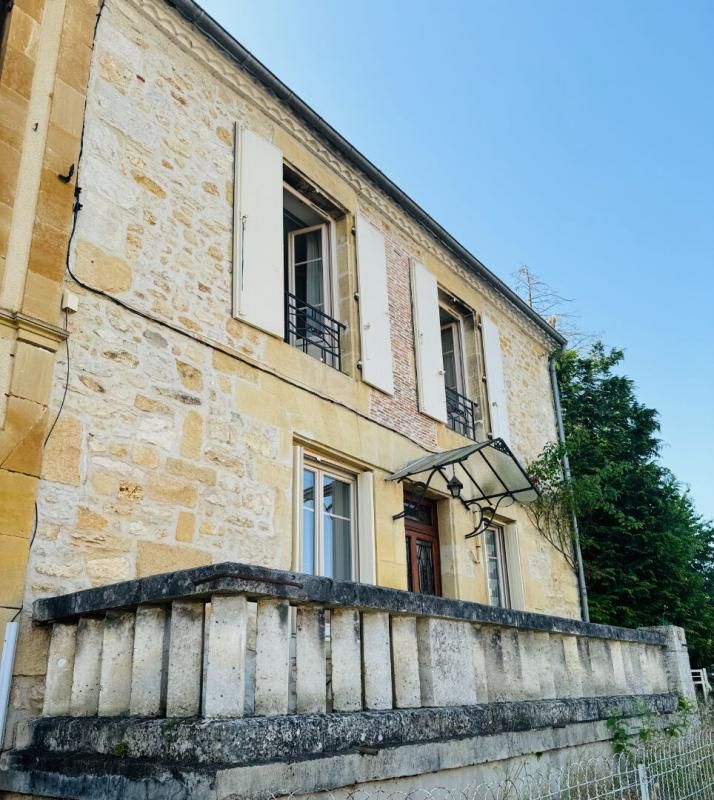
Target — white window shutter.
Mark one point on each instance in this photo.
(495, 385)
(366, 528)
(374, 329)
(258, 270)
(427, 341)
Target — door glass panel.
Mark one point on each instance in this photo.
(308, 522)
(425, 566)
(410, 583)
(337, 527)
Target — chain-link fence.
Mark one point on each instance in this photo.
(671, 768)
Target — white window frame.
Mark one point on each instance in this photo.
(323, 468)
(329, 251)
(457, 327)
(502, 565)
(326, 264)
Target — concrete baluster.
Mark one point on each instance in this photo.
(183, 687)
(446, 670)
(557, 665)
(149, 668)
(617, 657)
(602, 670)
(225, 682)
(540, 664)
(60, 667)
(272, 661)
(590, 680)
(405, 663)
(346, 638)
(311, 678)
(117, 656)
(87, 668)
(576, 677)
(376, 660)
(633, 670)
(479, 638)
(516, 679)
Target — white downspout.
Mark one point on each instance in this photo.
(6, 665)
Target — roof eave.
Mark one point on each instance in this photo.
(203, 22)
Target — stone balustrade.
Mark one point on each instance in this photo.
(231, 639)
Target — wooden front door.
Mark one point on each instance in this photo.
(422, 541)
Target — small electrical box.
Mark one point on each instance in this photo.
(70, 301)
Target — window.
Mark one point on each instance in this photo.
(310, 322)
(461, 412)
(328, 522)
(496, 568)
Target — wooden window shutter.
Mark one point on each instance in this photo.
(375, 335)
(427, 343)
(258, 270)
(495, 384)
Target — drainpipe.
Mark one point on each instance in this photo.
(6, 664)
(582, 589)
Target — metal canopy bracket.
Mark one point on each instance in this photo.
(482, 476)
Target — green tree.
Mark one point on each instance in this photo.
(649, 557)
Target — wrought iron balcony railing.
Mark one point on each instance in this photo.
(461, 414)
(312, 331)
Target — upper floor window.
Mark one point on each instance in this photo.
(461, 412)
(310, 323)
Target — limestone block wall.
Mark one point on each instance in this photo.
(175, 442)
(44, 66)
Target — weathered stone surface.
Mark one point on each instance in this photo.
(257, 581)
(445, 662)
(155, 558)
(60, 665)
(272, 657)
(117, 654)
(263, 739)
(346, 652)
(100, 270)
(61, 460)
(405, 663)
(311, 680)
(225, 680)
(87, 668)
(376, 660)
(150, 663)
(183, 689)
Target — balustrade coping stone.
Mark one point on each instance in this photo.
(248, 741)
(256, 582)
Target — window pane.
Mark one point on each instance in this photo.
(448, 349)
(308, 522)
(337, 527)
(308, 268)
(493, 569)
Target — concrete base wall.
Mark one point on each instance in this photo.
(254, 758)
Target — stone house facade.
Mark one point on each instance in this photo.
(187, 413)
(224, 335)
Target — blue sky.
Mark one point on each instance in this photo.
(577, 138)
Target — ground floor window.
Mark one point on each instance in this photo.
(496, 568)
(328, 522)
